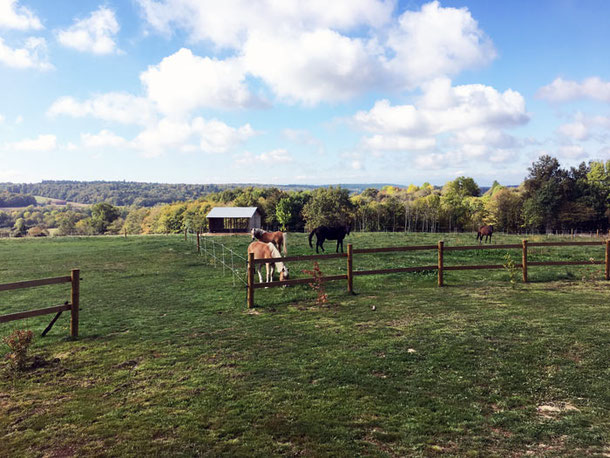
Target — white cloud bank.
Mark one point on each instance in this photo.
(314, 52)
(471, 116)
(95, 34)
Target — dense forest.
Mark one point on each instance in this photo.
(550, 198)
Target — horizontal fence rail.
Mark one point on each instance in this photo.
(73, 305)
(440, 267)
(34, 283)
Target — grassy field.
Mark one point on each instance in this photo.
(170, 361)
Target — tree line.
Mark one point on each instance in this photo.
(551, 198)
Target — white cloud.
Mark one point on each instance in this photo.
(473, 113)
(218, 137)
(94, 34)
(2, 118)
(103, 139)
(436, 41)
(197, 135)
(576, 130)
(561, 90)
(182, 82)
(312, 67)
(32, 55)
(43, 143)
(584, 127)
(13, 16)
(319, 51)
(113, 106)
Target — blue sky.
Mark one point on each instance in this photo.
(200, 91)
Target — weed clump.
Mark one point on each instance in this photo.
(18, 342)
(511, 268)
(317, 284)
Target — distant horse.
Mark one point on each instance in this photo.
(263, 250)
(485, 231)
(323, 233)
(278, 238)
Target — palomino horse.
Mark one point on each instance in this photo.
(323, 233)
(485, 231)
(278, 238)
(263, 250)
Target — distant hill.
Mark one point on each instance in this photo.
(149, 194)
(142, 194)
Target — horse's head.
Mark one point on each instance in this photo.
(348, 229)
(253, 233)
(284, 274)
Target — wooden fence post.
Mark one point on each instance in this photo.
(185, 235)
(75, 303)
(198, 244)
(350, 278)
(524, 261)
(250, 280)
(607, 259)
(440, 262)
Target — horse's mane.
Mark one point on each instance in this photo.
(275, 253)
(257, 231)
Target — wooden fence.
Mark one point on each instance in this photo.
(73, 305)
(440, 266)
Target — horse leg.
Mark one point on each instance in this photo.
(320, 243)
(260, 277)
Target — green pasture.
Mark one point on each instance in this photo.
(170, 361)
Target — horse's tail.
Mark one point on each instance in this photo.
(311, 237)
(284, 249)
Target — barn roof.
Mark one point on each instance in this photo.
(232, 212)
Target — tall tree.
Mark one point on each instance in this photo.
(328, 206)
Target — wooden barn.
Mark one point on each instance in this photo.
(233, 219)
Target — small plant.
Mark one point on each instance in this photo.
(592, 274)
(317, 284)
(511, 268)
(18, 342)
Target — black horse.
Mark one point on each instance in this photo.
(323, 233)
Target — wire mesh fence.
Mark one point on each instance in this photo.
(221, 256)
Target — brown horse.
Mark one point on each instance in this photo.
(278, 238)
(485, 231)
(263, 250)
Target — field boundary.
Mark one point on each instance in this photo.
(440, 267)
(73, 305)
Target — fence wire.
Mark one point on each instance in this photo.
(220, 255)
